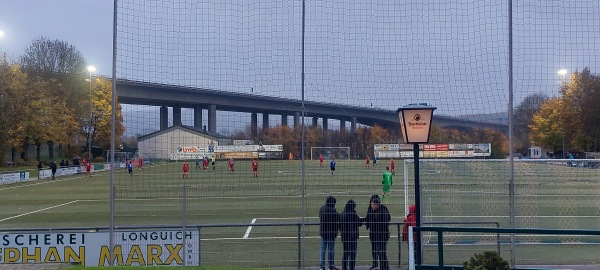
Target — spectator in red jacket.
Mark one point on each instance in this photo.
(410, 220)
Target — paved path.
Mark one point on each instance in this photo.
(57, 266)
(35, 266)
(555, 267)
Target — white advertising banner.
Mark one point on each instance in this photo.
(47, 173)
(222, 151)
(482, 149)
(190, 156)
(243, 142)
(8, 178)
(387, 154)
(235, 148)
(456, 150)
(270, 148)
(132, 248)
(386, 147)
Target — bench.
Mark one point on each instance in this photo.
(10, 163)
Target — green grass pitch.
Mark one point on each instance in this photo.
(548, 196)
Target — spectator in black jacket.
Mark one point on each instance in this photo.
(377, 222)
(375, 265)
(349, 223)
(329, 225)
(53, 168)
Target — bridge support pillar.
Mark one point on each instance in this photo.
(265, 122)
(253, 125)
(212, 119)
(342, 125)
(296, 119)
(353, 124)
(176, 116)
(198, 117)
(284, 120)
(164, 117)
(315, 121)
(325, 123)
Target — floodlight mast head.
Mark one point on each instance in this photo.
(415, 122)
(562, 72)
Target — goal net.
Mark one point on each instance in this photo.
(330, 153)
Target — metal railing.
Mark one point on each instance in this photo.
(497, 231)
(203, 227)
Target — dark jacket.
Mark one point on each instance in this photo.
(349, 222)
(329, 220)
(369, 210)
(410, 220)
(53, 166)
(377, 221)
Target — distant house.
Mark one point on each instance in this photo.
(178, 139)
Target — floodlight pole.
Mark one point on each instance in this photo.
(90, 69)
(113, 119)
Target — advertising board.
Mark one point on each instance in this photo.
(132, 248)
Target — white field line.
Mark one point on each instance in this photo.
(284, 218)
(563, 216)
(42, 183)
(299, 218)
(274, 237)
(40, 210)
(211, 198)
(249, 229)
(50, 181)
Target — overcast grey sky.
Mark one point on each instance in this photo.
(450, 53)
(87, 24)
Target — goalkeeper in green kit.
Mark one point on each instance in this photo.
(386, 183)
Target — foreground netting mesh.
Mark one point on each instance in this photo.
(174, 57)
(550, 194)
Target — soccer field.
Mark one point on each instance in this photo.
(154, 195)
(548, 196)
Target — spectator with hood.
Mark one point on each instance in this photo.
(329, 221)
(375, 264)
(410, 221)
(378, 221)
(349, 223)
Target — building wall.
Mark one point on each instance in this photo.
(31, 152)
(164, 145)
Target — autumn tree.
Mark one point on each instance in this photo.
(523, 118)
(314, 138)
(101, 117)
(580, 110)
(283, 135)
(497, 139)
(547, 129)
(340, 138)
(377, 134)
(61, 61)
(360, 141)
(438, 135)
(13, 101)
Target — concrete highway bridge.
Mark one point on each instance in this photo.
(202, 99)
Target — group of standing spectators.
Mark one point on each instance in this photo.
(376, 221)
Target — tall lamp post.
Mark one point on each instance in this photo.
(563, 73)
(90, 69)
(415, 122)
